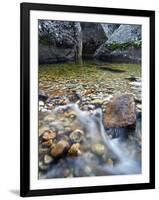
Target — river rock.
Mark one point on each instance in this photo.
(47, 135)
(50, 118)
(120, 112)
(98, 149)
(77, 136)
(59, 148)
(109, 162)
(75, 148)
(47, 159)
(97, 101)
(42, 95)
(47, 143)
(43, 129)
(43, 166)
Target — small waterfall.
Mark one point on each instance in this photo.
(92, 125)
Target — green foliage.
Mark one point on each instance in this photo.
(123, 46)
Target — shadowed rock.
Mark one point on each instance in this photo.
(59, 41)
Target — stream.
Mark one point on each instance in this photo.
(75, 138)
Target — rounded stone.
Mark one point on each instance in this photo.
(59, 148)
(47, 135)
(110, 162)
(75, 148)
(77, 136)
(47, 159)
(98, 149)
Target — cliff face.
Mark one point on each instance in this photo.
(93, 36)
(124, 44)
(61, 41)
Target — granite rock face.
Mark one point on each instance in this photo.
(109, 29)
(59, 41)
(123, 45)
(93, 36)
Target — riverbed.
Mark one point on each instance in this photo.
(73, 141)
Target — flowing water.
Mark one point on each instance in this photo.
(81, 145)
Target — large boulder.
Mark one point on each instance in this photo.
(123, 45)
(120, 112)
(59, 41)
(109, 29)
(93, 36)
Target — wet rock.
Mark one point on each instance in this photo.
(42, 95)
(59, 148)
(43, 166)
(120, 112)
(137, 99)
(132, 78)
(74, 97)
(47, 143)
(68, 129)
(43, 129)
(97, 101)
(87, 170)
(74, 150)
(91, 107)
(47, 135)
(109, 162)
(66, 173)
(50, 118)
(47, 159)
(139, 107)
(135, 84)
(77, 136)
(88, 91)
(98, 149)
(43, 151)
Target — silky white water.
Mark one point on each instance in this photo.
(124, 153)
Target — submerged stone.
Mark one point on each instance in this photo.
(59, 148)
(49, 135)
(75, 148)
(47, 159)
(98, 149)
(77, 135)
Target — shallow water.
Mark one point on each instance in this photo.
(102, 151)
(90, 74)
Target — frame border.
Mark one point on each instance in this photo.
(25, 9)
